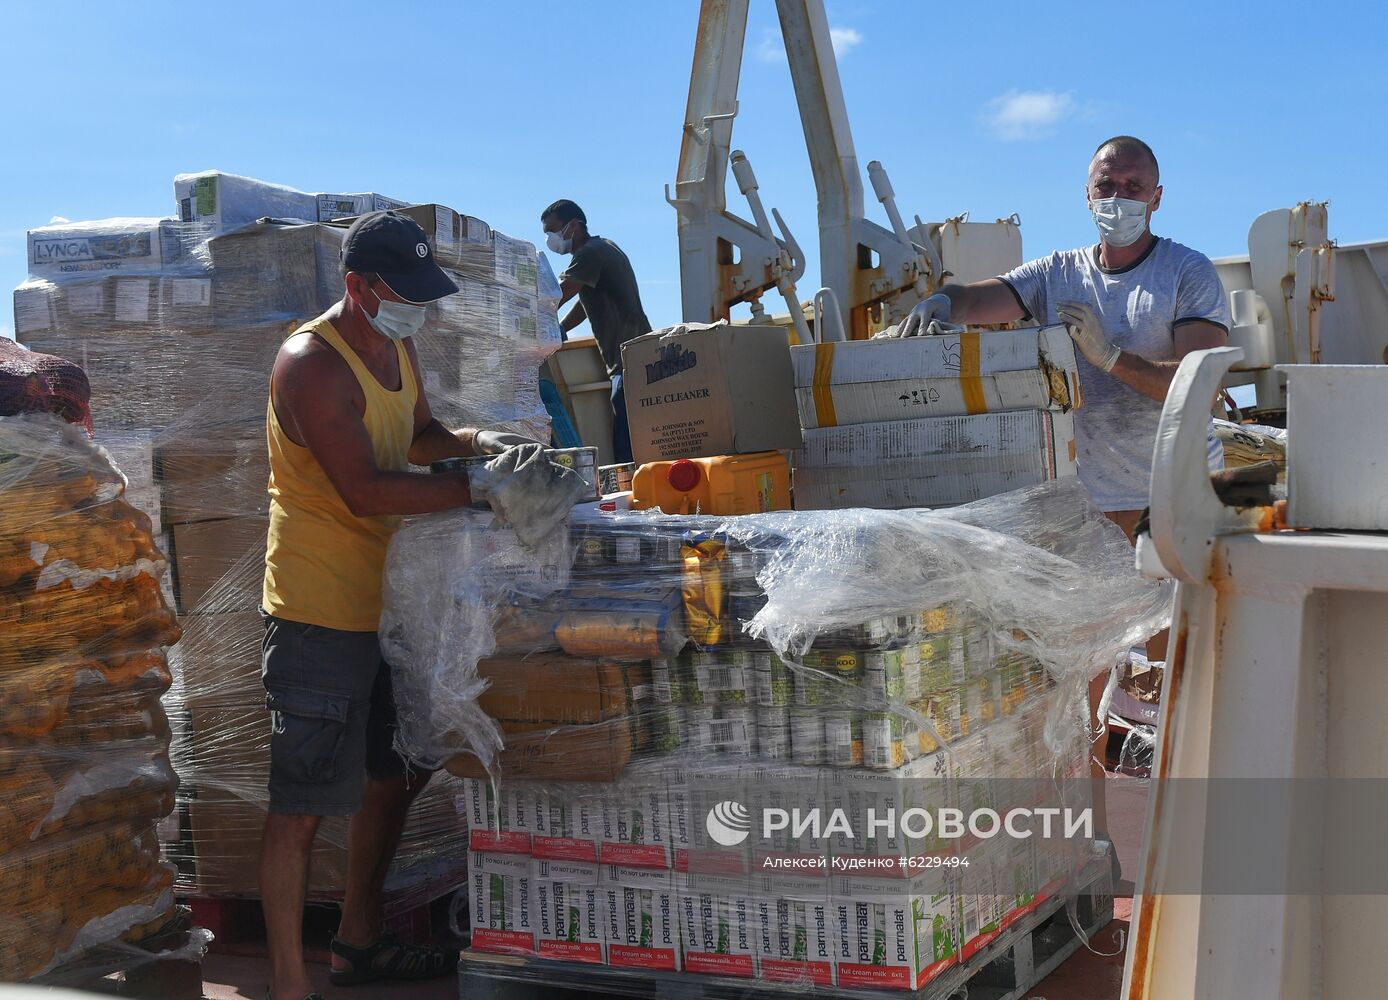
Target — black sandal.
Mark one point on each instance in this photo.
(406, 961)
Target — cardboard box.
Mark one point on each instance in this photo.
(502, 903)
(641, 918)
(696, 390)
(500, 819)
(932, 462)
(490, 310)
(108, 246)
(862, 381)
(273, 272)
(598, 752)
(460, 242)
(218, 660)
(226, 832)
(892, 934)
(560, 690)
(718, 927)
(636, 823)
(228, 202)
(95, 305)
(220, 565)
(794, 933)
(569, 827)
(215, 472)
(132, 453)
(569, 924)
(332, 207)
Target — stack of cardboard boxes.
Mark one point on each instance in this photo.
(177, 322)
(933, 421)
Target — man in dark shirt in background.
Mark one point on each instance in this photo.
(602, 278)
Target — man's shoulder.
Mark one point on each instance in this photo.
(598, 245)
(1180, 252)
(1061, 260)
(307, 358)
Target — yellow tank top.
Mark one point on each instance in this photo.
(323, 565)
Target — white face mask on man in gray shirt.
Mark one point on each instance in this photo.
(1120, 221)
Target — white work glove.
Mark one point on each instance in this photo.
(529, 492)
(495, 442)
(917, 324)
(1085, 330)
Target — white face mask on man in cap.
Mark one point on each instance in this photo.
(395, 320)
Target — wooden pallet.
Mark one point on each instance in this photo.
(1007, 969)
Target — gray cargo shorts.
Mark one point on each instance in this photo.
(332, 712)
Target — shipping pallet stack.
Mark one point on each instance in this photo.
(979, 414)
(178, 322)
(84, 740)
(1007, 969)
(593, 856)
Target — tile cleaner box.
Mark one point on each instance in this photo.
(640, 910)
(934, 462)
(697, 390)
(717, 926)
(568, 918)
(891, 934)
(864, 381)
(502, 903)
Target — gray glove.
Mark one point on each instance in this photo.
(936, 307)
(495, 442)
(529, 492)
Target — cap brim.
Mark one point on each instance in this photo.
(420, 286)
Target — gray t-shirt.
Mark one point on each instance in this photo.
(1139, 306)
(609, 296)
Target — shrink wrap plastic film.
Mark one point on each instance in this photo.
(177, 324)
(608, 698)
(84, 739)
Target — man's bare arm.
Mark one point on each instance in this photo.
(434, 442)
(1153, 378)
(314, 395)
(983, 302)
(575, 316)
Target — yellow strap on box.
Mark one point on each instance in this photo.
(970, 382)
(822, 385)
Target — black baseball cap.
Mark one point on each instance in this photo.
(395, 247)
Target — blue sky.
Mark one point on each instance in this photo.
(498, 108)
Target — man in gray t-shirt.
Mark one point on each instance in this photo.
(1135, 304)
(602, 278)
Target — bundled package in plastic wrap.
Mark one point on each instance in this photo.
(757, 737)
(178, 322)
(84, 759)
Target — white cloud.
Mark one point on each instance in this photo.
(771, 49)
(1027, 114)
(844, 40)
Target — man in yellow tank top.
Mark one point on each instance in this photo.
(347, 417)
